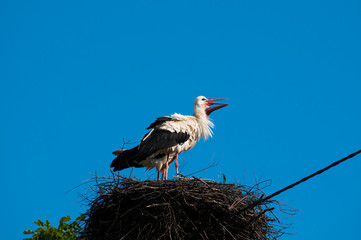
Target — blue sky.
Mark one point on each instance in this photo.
(79, 77)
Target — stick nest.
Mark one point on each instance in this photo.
(187, 208)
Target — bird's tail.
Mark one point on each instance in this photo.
(125, 159)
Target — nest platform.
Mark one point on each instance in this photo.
(186, 208)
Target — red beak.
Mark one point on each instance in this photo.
(210, 101)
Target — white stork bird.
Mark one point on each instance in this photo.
(169, 136)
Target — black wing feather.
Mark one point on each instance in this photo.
(153, 141)
(125, 159)
(159, 121)
(160, 139)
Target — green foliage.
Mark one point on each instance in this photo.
(224, 179)
(65, 230)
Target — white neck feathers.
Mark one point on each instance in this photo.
(205, 128)
(204, 123)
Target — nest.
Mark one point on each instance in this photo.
(126, 208)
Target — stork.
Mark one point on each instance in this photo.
(168, 137)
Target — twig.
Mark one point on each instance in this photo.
(210, 166)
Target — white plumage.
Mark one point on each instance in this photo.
(169, 136)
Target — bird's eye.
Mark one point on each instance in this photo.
(203, 99)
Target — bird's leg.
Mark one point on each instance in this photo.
(163, 174)
(166, 167)
(158, 175)
(176, 163)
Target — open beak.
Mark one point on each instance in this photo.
(210, 102)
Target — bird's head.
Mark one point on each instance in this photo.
(203, 105)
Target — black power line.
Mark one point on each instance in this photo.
(301, 181)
